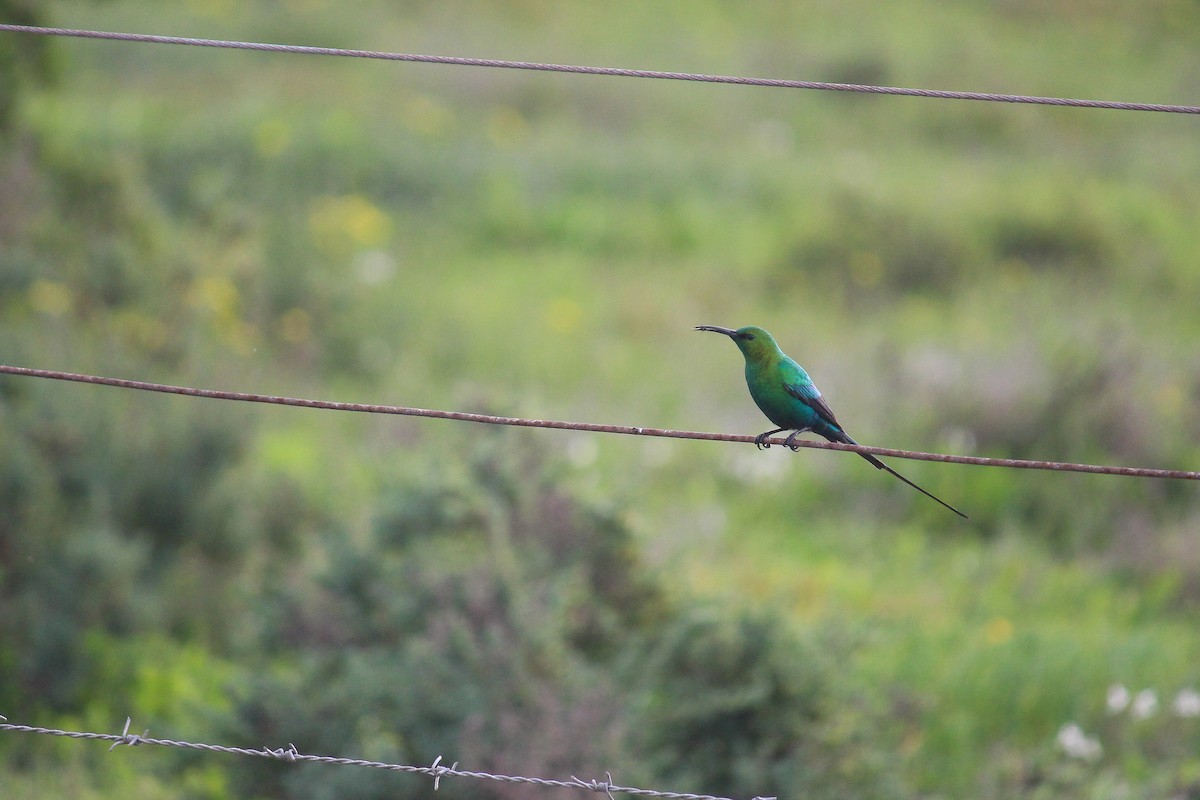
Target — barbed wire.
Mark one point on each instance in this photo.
(609, 71)
(436, 770)
(592, 427)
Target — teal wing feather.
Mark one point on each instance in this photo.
(807, 392)
(797, 383)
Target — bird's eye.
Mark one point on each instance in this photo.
(749, 336)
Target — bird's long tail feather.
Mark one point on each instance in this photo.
(879, 464)
(875, 462)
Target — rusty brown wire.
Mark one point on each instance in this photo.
(592, 427)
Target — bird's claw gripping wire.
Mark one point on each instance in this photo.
(761, 442)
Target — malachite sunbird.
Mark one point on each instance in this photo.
(789, 398)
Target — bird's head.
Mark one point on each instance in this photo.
(754, 342)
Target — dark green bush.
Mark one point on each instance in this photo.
(493, 618)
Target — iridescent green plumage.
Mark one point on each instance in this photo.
(784, 392)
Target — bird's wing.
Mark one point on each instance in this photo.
(807, 393)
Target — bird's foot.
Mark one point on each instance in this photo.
(761, 442)
(790, 441)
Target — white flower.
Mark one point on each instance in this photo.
(1077, 744)
(582, 451)
(754, 468)
(1187, 703)
(1118, 698)
(1145, 704)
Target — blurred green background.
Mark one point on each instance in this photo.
(961, 277)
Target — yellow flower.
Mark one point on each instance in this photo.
(998, 630)
(295, 326)
(506, 127)
(563, 315)
(352, 219)
(50, 297)
(272, 137)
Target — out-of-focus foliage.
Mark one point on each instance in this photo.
(1000, 280)
(491, 615)
(24, 60)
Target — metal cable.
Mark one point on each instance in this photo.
(436, 770)
(610, 71)
(489, 419)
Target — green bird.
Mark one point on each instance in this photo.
(790, 399)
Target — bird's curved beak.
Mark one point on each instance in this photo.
(732, 334)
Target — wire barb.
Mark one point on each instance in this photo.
(605, 786)
(591, 427)
(131, 739)
(438, 771)
(611, 71)
(289, 753)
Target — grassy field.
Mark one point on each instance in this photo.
(987, 279)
